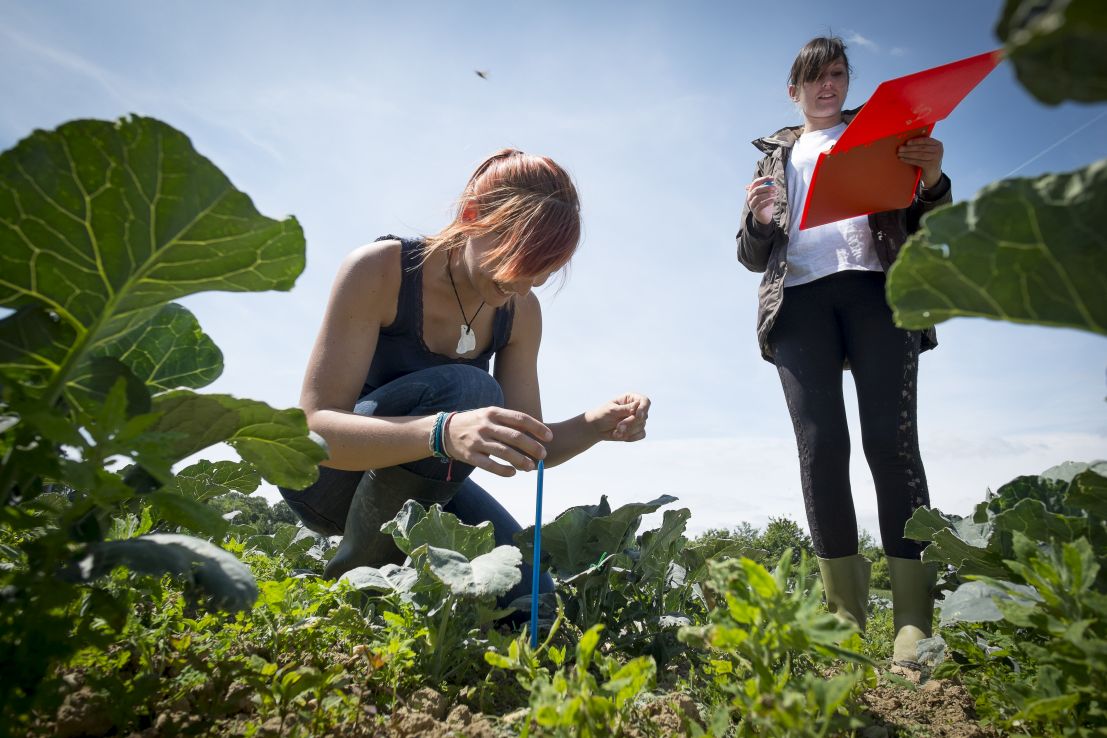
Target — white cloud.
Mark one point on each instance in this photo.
(856, 39)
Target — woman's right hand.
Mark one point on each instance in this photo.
(476, 437)
(761, 199)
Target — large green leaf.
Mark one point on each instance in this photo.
(389, 578)
(1059, 508)
(975, 602)
(659, 548)
(1025, 250)
(1057, 47)
(414, 526)
(1034, 520)
(926, 522)
(275, 441)
(1049, 490)
(963, 543)
(205, 479)
(91, 385)
(287, 540)
(1069, 470)
(102, 223)
(34, 342)
(1089, 492)
(617, 531)
(168, 351)
(226, 581)
(578, 537)
(559, 537)
(490, 574)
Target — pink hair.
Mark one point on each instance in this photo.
(529, 202)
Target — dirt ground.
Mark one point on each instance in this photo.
(933, 709)
(936, 708)
(894, 709)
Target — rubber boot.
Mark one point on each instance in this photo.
(378, 497)
(912, 607)
(846, 587)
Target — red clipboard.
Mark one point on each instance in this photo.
(861, 173)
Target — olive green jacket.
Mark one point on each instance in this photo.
(764, 248)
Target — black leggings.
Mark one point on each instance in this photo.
(821, 325)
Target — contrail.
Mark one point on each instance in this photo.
(1054, 145)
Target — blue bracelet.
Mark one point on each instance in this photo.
(436, 437)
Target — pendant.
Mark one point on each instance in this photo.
(468, 340)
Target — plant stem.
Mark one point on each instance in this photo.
(440, 637)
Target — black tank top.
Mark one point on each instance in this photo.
(400, 346)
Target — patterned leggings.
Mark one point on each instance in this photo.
(821, 325)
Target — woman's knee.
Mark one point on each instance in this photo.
(827, 447)
(890, 448)
(440, 388)
(470, 387)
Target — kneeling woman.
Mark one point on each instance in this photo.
(398, 384)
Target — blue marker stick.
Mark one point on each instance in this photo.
(537, 558)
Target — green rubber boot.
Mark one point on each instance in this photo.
(379, 496)
(912, 607)
(846, 587)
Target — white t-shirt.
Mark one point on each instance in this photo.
(830, 248)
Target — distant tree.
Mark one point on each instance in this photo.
(781, 534)
(743, 533)
(255, 510)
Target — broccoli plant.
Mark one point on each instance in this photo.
(102, 225)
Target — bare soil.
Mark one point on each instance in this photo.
(897, 708)
(937, 708)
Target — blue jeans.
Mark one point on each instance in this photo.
(324, 505)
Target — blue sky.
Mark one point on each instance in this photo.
(366, 118)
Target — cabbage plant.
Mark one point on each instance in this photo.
(103, 224)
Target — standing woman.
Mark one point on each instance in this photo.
(822, 309)
(398, 382)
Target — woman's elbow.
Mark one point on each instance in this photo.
(750, 258)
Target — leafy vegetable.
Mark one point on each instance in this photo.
(1025, 250)
(581, 536)
(1057, 47)
(208, 568)
(101, 224)
(764, 638)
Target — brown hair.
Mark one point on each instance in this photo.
(814, 56)
(529, 202)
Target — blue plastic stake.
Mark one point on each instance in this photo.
(537, 558)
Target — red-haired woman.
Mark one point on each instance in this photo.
(398, 384)
(822, 307)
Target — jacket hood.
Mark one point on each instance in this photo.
(786, 137)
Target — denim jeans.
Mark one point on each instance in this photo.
(324, 505)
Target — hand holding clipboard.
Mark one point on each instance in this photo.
(862, 173)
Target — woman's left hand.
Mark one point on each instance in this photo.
(926, 153)
(622, 419)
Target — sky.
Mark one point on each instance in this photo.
(366, 118)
